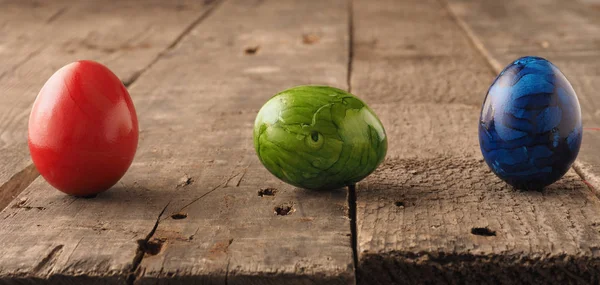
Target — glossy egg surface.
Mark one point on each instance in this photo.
(83, 129)
(530, 127)
(319, 137)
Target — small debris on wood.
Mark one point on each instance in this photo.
(285, 209)
(21, 205)
(179, 216)
(185, 181)
(22, 201)
(310, 39)
(252, 50)
(267, 192)
(486, 232)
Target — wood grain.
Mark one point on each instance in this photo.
(196, 108)
(37, 38)
(434, 212)
(565, 32)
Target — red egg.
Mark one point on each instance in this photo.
(83, 129)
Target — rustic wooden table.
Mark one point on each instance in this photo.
(199, 71)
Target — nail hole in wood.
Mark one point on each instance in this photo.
(179, 216)
(483, 232)
(252, 50)
(267, 192)
(399, 204)
(284, 210)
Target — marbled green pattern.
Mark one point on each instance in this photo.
(319, 137)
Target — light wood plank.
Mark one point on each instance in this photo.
(565, 32)
(196, 108)
(421, 215)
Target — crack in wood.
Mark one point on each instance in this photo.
(57, 15)
(143, 243)
(49, 259)
(352, 188)
(16, 184)
(142, 248)
(227, 271)
(212, 7)
(205, 194)
(353, 230)
(243, 175)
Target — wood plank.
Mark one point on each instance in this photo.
(37, 38)
(565, 32)
(196, 108)
(237, 238)
(434, 212)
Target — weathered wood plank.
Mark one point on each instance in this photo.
(37, 38)
(237, 237)
(566, 33)
(196, 108)
(434, 212)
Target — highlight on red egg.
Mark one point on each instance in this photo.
(83, 129)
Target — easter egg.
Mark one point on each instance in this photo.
(319, 137)
(83, 129)
(530, 126)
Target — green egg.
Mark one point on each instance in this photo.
(319, 137)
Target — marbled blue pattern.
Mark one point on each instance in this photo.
(530, 126)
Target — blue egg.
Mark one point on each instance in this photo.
(530, 125)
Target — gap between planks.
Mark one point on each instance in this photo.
(352, 188)
(496, 68)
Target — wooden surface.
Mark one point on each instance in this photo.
(564, 32)
(196, 107)
(237, 238)
(196, 206)
(37, 38)
(434, 213)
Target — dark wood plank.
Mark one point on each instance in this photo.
(565, 32)
(37, 38)
(427, 215)
(196, 108)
